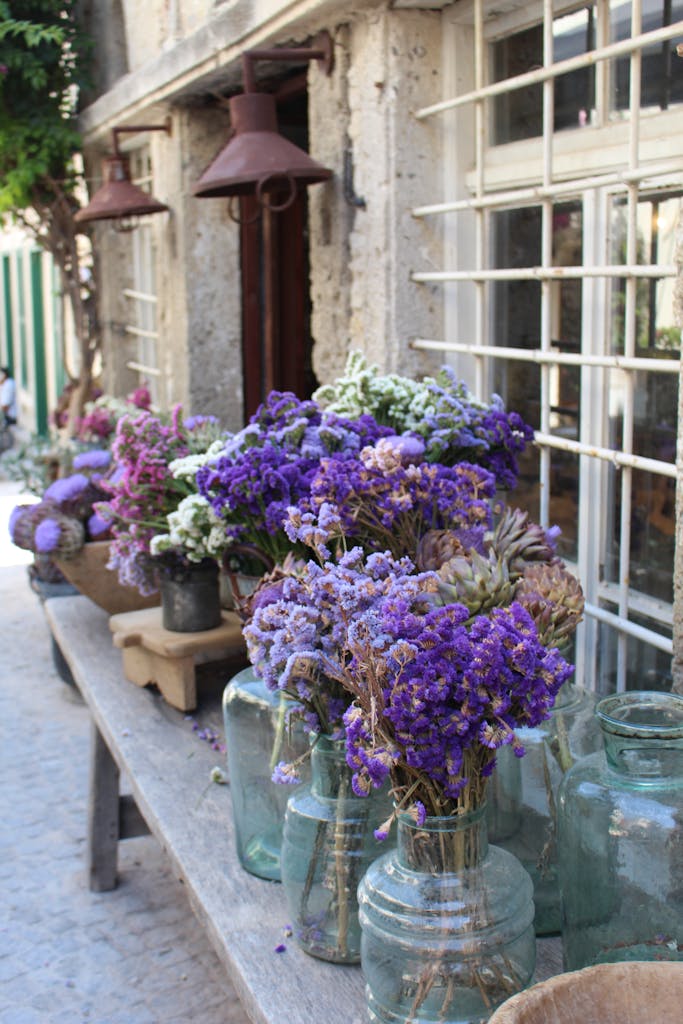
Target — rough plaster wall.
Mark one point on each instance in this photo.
(331, 215)
(387, 64)
(147, 30)
(200, 307)
(104, 24)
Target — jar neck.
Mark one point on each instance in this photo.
(443, 845)
(643, 735)
(330, 774)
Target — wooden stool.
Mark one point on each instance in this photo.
(152, 654)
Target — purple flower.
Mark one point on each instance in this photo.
(192, 422)
(97, 525)
(66, 489)
(285, 774)
(98, 458)
(280, 948)
(47, 535)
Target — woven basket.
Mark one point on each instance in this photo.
(625, 993)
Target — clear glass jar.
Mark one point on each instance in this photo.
(447, 924)
(258, 736)
(327, 844)
(620, 836)
(522, 807)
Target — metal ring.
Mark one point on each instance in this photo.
(236, 219)
(290, 198)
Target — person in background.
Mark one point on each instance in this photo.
(8, 396)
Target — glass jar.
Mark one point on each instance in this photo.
(258, 736)
(522, 807)
(620, 836)
(328, 842)
(447, 924)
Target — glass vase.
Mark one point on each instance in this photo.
(522, 804)
(327, 844)
(259, 734)
(447, 924)
(620, 836)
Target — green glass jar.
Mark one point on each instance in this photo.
(620, 836)
(259, 734)
(447, 925)
(327, 844)
(522, 807)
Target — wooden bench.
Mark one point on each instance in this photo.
(168, 767)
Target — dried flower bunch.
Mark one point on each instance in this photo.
(270, 464)
(436, 661)
(65, 519)
(143, 490)
(454, 425)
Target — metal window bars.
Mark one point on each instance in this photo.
(594, 190)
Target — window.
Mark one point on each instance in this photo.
(563, 191)
(141, 294)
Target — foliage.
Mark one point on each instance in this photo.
(43, 64)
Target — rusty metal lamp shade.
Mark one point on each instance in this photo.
(257, 158)
(118, 198)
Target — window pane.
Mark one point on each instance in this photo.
(519, 115)
(661, 81)
(652, 528)
(656, 333)
(647, 668)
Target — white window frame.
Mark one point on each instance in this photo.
(142, 298)
(609, 157)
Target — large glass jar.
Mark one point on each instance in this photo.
(620, 836)
(328, 843)
(447, 924)
(522, 807)
(259, 734)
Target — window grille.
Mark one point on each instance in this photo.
(562, 191)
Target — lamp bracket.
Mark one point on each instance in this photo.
(135, 128)
(322, 51)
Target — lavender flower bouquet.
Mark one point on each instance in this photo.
(269, 466)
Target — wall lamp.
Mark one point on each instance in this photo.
(257, 160)
(118, 199)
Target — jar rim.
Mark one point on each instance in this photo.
(443, 822)
(642, 714)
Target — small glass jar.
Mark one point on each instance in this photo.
(620, 836)
(259, 734)
(447, 924)
(327, 844)
(522, 807)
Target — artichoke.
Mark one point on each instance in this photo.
(518, 541)
(477, 581)
(436, 548)
(554, 599)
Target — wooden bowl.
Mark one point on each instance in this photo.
(625, 993)
(88, 572)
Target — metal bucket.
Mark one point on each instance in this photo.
(190, 601)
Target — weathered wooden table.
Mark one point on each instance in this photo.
(168, 769)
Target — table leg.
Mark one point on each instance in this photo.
(103, 816)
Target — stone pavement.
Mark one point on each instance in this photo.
(68, 956)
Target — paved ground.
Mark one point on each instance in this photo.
(69, 956)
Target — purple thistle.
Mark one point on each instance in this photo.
(47, 536)
(98, 458)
